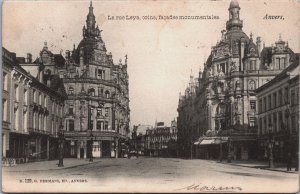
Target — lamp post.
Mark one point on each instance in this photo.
(271, 144)
(61, 139)
(229, 150)
(91, 148)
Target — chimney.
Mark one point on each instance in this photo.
(258, 44)
(29, 58)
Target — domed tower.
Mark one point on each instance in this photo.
(234, 22)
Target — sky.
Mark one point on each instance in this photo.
(162, 54)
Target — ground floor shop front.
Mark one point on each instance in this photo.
(97, 148)
(225, 148)
(27, 147)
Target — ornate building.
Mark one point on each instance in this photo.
(97, 109)
(220, 106)
(161, 140)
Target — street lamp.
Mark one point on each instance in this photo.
(61, 139)
(91, 149)
(229, 150)
(271, 144)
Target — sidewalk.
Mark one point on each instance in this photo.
(49, 165)
(280, 167)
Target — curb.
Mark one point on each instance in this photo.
(69, 167)
(260, 167)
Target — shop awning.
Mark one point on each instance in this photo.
(207, 141)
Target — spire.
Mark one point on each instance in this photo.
(91, 30)
(234, 22)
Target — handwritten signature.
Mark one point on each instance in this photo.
(205, 188)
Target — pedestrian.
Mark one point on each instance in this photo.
(289, 162)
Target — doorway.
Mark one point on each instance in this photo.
(106, 149)
(81, 152)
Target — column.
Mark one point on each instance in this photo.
(48, 148)
(117, 148)
(78, 149)
(36, 147)
(85, 149)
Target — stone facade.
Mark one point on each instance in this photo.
(278, 114)
(32, 109)
(161, 140)
(97, 109)
(221, 102)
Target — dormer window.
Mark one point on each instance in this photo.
(71, 91)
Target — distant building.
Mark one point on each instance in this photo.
(278, 114)
(161, 140)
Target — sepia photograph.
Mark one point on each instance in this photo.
(150, 96)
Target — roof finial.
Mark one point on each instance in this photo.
(91, 4)
(287, 44)
(280, 37)
(126, 59)
(251, 36)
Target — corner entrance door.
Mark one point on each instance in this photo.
(81, 153)
(106, 149)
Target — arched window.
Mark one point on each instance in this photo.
(107, 94)
(71, 125)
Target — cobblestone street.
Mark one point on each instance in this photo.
(153, 174)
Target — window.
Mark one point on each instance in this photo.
(71, 91)
(275, 100)
(4, 109)
(275, 122)
(286, 95)
(45, 101)
(17, 93)
(293, 122)
(293, 102)
(5, 81)
(91, 125)
(40, 98)
(101, 74)
(34, 95)
(45, 123)
(107, 94)
(252, 65)
(99, 125)
(25, 97)
(71, 125)
(16, 119)
(269, 102)
(222, 67)
(92, 91)
(265, 104)
(277, 63)
(280, 121)
(260, 126)
(265, 124)
(99, 112)
(106, 112)
(260, 105)
(71, 110)
(280, 97)
(106, 125)
(253, 105)
(283, 62)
